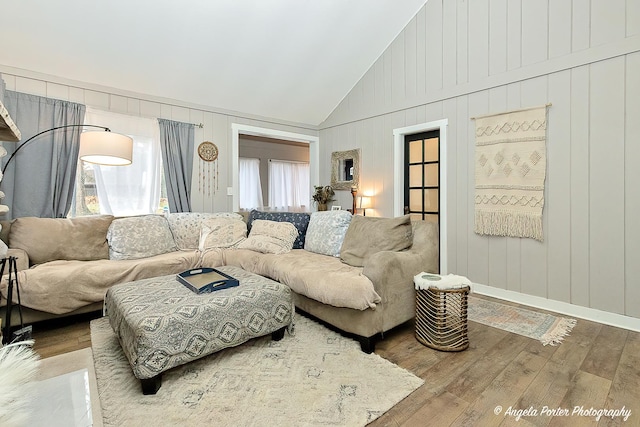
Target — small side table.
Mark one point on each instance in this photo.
(441, 311)
(12, 281)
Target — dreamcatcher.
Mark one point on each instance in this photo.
(208, 168)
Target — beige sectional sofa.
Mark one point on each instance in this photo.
(364, 289)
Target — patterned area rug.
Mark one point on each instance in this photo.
(315, 377)
(544, 327)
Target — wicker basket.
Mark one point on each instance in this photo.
(441, 318)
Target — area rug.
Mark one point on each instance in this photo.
(314, 377)
(548, 329)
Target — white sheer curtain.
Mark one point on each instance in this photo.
(134, 189)
(288, 184)
(250, 187)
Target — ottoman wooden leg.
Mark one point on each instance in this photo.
(151, 385)
(279, 334)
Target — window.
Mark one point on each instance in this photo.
(123, 190)
(288, 185)
(250, 187)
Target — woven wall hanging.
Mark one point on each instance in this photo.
(511, 164)
(208, 168)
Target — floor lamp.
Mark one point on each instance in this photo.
(104, 148)
(100, 147)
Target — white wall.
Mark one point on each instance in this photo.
(460, 59)
(217, 125)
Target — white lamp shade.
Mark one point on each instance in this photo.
(106, 148)
(364, 202)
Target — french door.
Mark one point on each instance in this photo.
(421, 176)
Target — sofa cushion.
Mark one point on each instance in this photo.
(299, 219)
(49, 239)
(270, 237)
(222, 233)
(62, 286)
(322, 278)
(368, 235)
(140, 237)
(186, 226)
(326, 232)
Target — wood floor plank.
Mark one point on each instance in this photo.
(440, 410)
(470, 383)
(395, 336)
(399, 414)
(481, 339)
(548, 390)
(521, 422)
(625, 387)
(554, 380)
(605, 352)
(413, 355)
(587, 391)
(502, 392)
(577, 345)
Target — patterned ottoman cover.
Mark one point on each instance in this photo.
(162, 324)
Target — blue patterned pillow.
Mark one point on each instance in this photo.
(326, 232)
(299, 219)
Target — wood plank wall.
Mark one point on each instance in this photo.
(460, 59)
(216, 125)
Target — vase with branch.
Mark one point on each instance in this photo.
(322, 196)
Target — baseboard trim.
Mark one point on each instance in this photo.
(605, 317)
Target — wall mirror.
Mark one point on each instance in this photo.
(345, 169)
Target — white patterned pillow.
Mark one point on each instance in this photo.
(222, 233)
(326, 232)
(186, 226)
(139, 237)
(270, 237)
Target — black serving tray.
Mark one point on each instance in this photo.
(206, 280)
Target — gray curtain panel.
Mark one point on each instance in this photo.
(176, 142)
(40, 179)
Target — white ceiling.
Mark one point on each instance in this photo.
(291, 60)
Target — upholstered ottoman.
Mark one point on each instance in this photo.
(162, 324)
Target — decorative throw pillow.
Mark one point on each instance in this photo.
(222, 233)
(140, 237)
(368, 235)
(49, 239)
(270, 237)
(326, 232)
(186, 226)
(299, 219)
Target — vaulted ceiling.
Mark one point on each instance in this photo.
(291, 60)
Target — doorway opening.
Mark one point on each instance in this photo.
(422, 176)
(274, 174)
(399, 172)
(245, 130)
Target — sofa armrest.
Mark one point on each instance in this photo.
(398, 268)
(22, 258)
(392, 271)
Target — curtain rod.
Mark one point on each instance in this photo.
(511, 111)
(288, 161)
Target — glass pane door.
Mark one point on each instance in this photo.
(422, 174)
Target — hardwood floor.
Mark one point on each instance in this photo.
(63, 335)
(597, 366)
